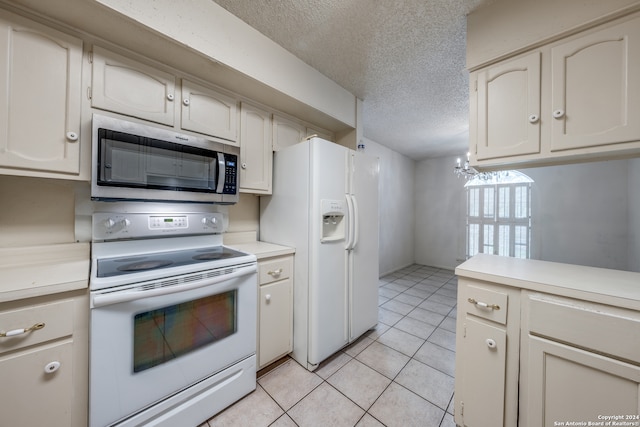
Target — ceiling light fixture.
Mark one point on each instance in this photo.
(468, 172)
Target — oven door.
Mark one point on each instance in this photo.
(147, 345)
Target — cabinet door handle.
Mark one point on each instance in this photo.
(533, 118)
(170, 96)
(15, 332)
(275, 273)
(72, 136)
(558, 114)
(186, 101)
(491, 343)
(483, 304)
(267, 297)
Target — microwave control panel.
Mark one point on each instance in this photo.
(230, 174)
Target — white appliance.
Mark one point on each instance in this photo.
(173, 320)
(325, 204)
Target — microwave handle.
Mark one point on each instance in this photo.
(221, 173)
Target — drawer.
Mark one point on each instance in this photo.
(275, 269)
(485, 302)
(57, 318)
(604, 329)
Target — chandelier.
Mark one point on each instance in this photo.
(468, 172)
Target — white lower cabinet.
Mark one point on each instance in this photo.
(532, 359)
(580, 362)
(44, 369)
(486, 382)
(275, 317)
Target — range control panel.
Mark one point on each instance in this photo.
(115, 226)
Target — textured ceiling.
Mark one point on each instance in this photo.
(404, 59)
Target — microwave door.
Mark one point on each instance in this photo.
(123, 162)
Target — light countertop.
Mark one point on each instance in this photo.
(614, 287)
(41, 270)
(262, 250)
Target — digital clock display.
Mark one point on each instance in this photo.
(168, 220)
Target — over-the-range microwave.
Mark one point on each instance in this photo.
(133, 161)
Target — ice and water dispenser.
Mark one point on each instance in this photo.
(333, 221)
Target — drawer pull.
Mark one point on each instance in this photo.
(275, 273)
(15, 332)
(484, 304)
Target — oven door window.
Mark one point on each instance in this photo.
(163, 334)
(133, 161)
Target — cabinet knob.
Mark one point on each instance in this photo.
(51, 367)
(533, 118)
(558, 114)
(170, 96)
(491, 343)
(72, 136)
(267, 297)
(244, 165)
(186, 101)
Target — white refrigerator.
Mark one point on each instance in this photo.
(325, 205)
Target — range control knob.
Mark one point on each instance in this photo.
(114, 224)
(210, 221)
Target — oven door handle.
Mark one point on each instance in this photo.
(135, 294)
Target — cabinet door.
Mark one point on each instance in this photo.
(286, 132)
(567, 383)
(276, 321)
(131, 88)
(596, 88)
(256, 153)
(508, 108)
(34, 391)
(40, 75)
(208, 112)
(483, 365)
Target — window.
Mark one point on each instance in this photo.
(499, 215)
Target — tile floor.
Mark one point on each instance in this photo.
(400, 374)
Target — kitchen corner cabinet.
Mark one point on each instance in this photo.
(275, 306)
(487, 342)
(256, 153)
(576, 98)
(40, 72)
(44, 370)
(287, 132)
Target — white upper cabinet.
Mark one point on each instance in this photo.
(595, 88)
(508, 119)
(256, 154)
(575, 99)
(209, 112)
(40, 75)
(128, 87)
(287, 132)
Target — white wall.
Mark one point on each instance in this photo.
(440, 227)
(584, 214)
(580, 214)
(396, 204)
(634, 215)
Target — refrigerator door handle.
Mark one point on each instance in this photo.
(350, 223)
(356, 216)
